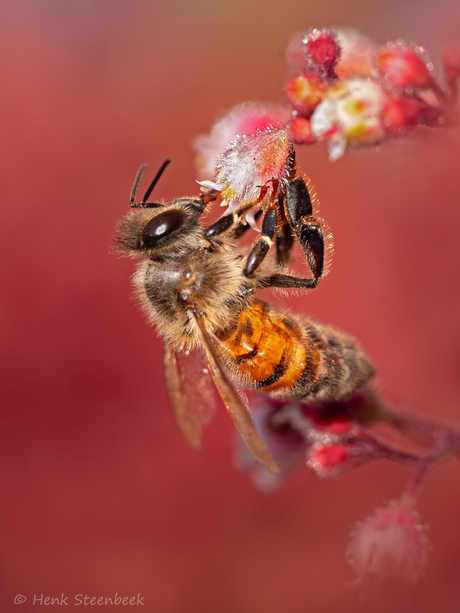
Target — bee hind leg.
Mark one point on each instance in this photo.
(311, 239)
(298, 209)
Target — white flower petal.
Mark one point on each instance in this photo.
(323, 118)
(251, 220)
(336, 147)
(208, 185)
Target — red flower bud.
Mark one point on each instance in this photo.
(327, 460)
(400, 114)
(323, 51)
(402, 67)
(300, 131)
(305, 92)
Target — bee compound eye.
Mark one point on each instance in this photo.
(161, 226)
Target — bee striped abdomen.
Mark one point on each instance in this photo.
(290, 357)
(266, 349)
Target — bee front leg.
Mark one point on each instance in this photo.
(209, 196)
(230, 220)
(221, 225)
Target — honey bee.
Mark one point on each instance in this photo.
(194, 291)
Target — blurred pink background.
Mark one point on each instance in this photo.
(100, 494)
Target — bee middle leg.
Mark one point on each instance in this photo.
(262, 246)
(284, 239)
(284, 244)
(288, 282)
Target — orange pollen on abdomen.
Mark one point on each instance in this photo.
(266, 349)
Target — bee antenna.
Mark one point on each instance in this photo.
(155, 180)
(137, 180)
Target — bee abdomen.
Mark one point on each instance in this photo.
(290, 357)
(343, 366)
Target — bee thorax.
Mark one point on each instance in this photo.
(212, 283)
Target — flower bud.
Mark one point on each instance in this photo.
(244, 118)
(390, 542)
(451, 63)
(401, 66)
(327, 460)
(305, 92)
(300, 131)
(400, 114)
(323, 51)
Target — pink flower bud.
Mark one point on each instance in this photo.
(401, 66)
(300, 131)
(451, 62)
(244, 118)
(305, 92)
(323, 51)
(390, 542)
(400, 114)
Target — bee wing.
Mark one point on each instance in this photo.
(198, 387)
(190, 392)
(237, 408)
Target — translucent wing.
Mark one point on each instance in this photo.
(190, 392)
(236, 406)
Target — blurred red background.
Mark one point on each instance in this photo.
(100, 494)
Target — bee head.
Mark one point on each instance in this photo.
(153, 228)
